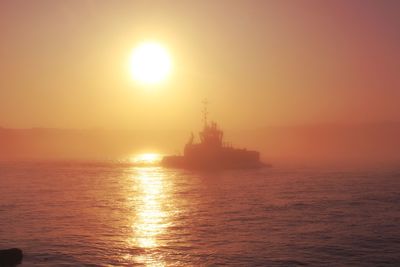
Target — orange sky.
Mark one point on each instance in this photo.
(64, 63)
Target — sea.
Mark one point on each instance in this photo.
(116, 214)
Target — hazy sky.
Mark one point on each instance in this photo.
(65, 63)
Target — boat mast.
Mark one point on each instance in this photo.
(205, 112)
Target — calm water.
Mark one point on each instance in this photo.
(70, 214)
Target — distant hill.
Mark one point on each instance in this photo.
(43, 143)
(334, 143)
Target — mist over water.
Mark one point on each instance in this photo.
(364, 144)
(97, 214)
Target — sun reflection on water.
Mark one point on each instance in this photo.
(151, 218)
(146, 159)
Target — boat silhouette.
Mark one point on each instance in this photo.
(212, 152)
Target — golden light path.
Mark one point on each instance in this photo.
(152, 218)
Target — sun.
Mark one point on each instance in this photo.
(150, 63)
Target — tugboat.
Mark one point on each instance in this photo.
(211, 152)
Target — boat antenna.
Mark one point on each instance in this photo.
(205, 111)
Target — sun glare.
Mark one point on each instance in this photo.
(150, 63)
(147, 158)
